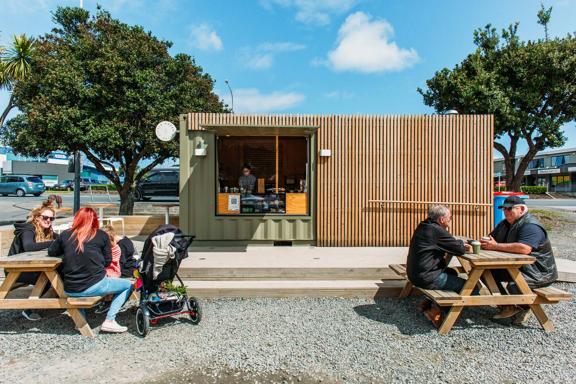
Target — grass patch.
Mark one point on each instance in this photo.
(551, 219)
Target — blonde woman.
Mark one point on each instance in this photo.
(35, 234)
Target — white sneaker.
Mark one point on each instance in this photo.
(113, 327)
(32, 316)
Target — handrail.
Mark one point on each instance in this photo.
(382, 202)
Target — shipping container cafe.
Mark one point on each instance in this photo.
(334, 180)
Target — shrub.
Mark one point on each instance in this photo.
(534, 189)
(499, 189)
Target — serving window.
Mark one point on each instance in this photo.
(262, 175)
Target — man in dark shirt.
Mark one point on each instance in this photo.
(426, 264)
(521, 233)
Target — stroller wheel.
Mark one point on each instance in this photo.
(195, 310)
(142, 322)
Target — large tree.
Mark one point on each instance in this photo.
(15, 65)
(529, 87)
(100, 86)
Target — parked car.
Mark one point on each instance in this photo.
(68, 185)
(88, 181)
(159, 182)
(20, 185)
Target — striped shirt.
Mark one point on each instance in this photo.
(113, 270)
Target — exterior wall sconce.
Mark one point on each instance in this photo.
(325, 152)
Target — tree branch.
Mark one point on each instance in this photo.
(149, 167)
(112, 176)
(9, 107)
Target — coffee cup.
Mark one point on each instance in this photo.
(475, 247)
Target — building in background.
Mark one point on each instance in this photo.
(555, 169)
(51, 169)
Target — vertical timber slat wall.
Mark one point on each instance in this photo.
(392, 158)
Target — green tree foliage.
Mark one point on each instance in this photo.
(529, 87)
(100, 86)
(15, 65)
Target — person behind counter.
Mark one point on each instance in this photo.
(247, 181)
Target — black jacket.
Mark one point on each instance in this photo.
(80, 271)
(24, 241)
(543, 272)
(127, 261)
(428, 247)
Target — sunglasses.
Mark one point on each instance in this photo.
(508, 208)
(48, 218)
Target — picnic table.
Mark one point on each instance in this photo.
(167, 206)
(40, 262)
(479, 268)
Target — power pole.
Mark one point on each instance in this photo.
(77, 160)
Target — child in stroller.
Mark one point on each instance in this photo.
(163, 251)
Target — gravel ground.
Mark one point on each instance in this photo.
(561, 226)
(295, 340)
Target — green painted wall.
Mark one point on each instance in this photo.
(198, 199)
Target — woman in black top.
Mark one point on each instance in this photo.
(86, 252)
(35, 234)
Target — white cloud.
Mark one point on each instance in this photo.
(204, 37)
(262, 57)
(316, 12)
(364, 45)
(251, 100)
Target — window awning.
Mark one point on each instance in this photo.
(228, 130)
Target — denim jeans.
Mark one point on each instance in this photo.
(120, 288)
(451, 282)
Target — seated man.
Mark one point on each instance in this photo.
(426, 265)
(521, 233)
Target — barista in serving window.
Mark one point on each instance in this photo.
(247, 182)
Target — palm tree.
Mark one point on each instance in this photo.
(15, 65)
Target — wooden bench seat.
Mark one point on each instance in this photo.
(552, 294)
(442, 298)
(400, 269)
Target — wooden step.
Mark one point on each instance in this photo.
(295, 288)
(381, 273)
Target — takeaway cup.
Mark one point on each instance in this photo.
(475, 247)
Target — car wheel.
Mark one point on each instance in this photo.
(138, 195)
(20, 193)
(4, 194)
(37, 194)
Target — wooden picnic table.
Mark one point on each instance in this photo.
(167, 206)
(100, 207)
(40, 262)
(479, 268)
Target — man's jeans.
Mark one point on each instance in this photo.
(449, 281)
(120, 288)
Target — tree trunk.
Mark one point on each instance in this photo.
(126, 201)
(7, 110)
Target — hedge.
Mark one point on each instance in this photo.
(534, 189)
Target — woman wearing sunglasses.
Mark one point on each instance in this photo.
(35, 234)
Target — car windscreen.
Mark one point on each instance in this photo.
(34, 179)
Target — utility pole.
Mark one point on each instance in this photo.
(77, 160)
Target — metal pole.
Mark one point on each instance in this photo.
(76, 181)
(231, 95)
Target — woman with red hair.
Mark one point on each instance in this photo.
(86, 252)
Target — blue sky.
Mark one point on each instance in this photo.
(314, 56)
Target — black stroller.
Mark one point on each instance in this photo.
(163, 252)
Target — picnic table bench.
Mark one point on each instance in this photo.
(478, 267)
(56, 298)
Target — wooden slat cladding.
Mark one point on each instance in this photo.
(391, 158)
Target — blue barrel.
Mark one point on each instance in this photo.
(499, 198)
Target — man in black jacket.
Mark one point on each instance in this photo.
(426, 265)
(522, 233)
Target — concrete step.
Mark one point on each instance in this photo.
(294, 288)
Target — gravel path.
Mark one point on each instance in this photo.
(295, 340)
(561, 226)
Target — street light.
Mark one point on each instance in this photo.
(231, 95)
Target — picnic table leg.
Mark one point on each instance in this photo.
(75, 314)
(536, 308)
(455, 310)
(39, 286)
(8, 283)
(406, 290)
(491, 283)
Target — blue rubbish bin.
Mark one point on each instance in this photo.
(499, 198)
